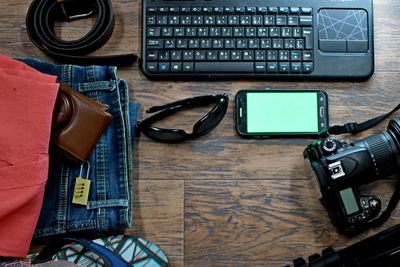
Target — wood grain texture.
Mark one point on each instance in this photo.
(221, 200)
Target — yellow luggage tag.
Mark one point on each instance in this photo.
(82, 188)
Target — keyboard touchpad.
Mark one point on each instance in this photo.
(343, 30)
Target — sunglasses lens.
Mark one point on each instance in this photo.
(164, 135)
(212, 120)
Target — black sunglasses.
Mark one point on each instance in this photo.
(202, 127)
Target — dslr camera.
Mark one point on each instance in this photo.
(341, 168)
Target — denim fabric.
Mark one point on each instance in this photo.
(110, 198)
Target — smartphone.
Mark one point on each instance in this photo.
(281, 113)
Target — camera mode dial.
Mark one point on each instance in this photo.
(329, 146)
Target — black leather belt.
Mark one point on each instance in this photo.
(40, 20)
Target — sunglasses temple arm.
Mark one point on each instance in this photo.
(184, 102)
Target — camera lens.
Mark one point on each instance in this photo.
(384, 150)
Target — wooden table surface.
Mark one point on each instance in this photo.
(221, 200)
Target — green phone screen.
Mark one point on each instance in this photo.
(282, 112)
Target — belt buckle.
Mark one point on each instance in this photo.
(76, 8)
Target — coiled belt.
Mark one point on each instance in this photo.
(40, 21)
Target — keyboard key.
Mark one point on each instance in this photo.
(197, 20)
(226, 32)
(152, 10)
(212, 55)
(194, 43)
(174, 9)
(286, 32)
(260, 67)
(188, 67)
(233, 20)
(229, 9)
(229, 43)
(272, 55)
(169, 43)
(293, 20)
(236, 67)
(163, 55)
(236, 55)
(307, 56)
(295, 67)
(273, 10)
(294, 10)
(274, 32)
(152, 55)
(151, 20)
(305, 20)
(167, 32)
(308, 67)
(245, 20)
(260, 55)
(188, 55)
(251, 10)
(176, 55)
(254, 43)
(209, 20)
(307, 33)
(240, 9)
(200, 55)
(281, 20)
(221, 20)
(153, 31)
(218, 9)
(262, 32)
(224, 55)
(269, 20)
(173, 20)
(284, 67)
(163, 67)
(251, 32)
(283, 10)
(152, 66)
(299, 44)
(306, 10)
(257, 20)
(207, 10)
(155, 43)
(295, 55)
(163, 10)
(181, 43)
(290, 44)
(277, 43)
(265, 43)
(196, 9)
(283, 55)
(176, 67)
(186, 20)
(248, 55)
(162, 19)
(262, 10)
(272, 67)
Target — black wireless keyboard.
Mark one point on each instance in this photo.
(257, 38)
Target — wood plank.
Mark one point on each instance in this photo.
(158, 215)
(260, 223)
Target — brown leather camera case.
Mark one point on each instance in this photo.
(78, 122)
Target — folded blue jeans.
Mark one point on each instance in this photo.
(111, 172)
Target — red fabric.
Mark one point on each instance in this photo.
(27, 100)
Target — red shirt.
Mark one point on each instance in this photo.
(27, 100)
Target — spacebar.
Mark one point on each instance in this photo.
(224, 67)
